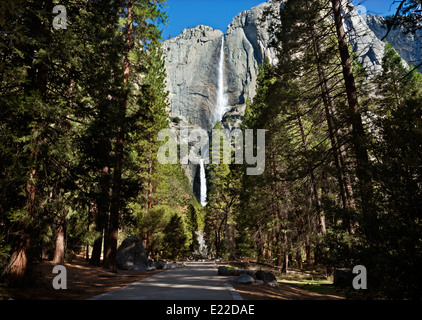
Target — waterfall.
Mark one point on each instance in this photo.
(219, 111)
(203, 183)
(221, 107)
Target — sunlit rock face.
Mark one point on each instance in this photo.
(194, 65)
(409, 45)
(191, 60)
(248, 45)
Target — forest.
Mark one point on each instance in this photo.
(81, 107)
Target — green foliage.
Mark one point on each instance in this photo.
(62, 93)
(392, 241)
(150, 226)
(223, 194)
(311, 166)
(175, 237)
(163, 229)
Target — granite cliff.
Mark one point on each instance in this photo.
(191, 61)
(409, 45)
(193, 57)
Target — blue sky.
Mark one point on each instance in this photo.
(219, 13)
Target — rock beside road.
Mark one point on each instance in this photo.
(244, 279)
(222, 271)
(249, 276)
(131, 255)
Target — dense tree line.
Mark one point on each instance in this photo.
(81, 107)
(342, 184)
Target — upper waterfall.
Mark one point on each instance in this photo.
(221, 105)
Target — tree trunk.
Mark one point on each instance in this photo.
(60, 239)
(359, 141)
(150, 189)
(119, 154)
(16, 269)
(320, 213)
(285, 255)
(101, 216)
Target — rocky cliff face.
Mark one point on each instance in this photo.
(192, 61)
(369, 49)
(247, 40)
(192, 58)
(409, 46)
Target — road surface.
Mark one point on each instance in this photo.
(195, 281)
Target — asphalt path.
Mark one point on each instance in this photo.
(195, 281)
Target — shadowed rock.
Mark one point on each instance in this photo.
(131, 255)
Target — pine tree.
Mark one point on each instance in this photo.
(393, 246)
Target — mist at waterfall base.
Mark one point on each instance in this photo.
(219, 112)
(202, 251)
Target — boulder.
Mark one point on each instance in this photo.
(245, 279)
(159, 265)
(131, 255)
(237, 272)
(233, 273)
(273, 284)
(222, 271)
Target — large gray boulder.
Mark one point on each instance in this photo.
(244, 279)
(131, 255)
(159, 265)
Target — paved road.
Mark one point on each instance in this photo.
(196, 281)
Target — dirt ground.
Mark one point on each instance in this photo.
(283, 292)
(85, 281)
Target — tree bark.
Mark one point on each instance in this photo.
(119, 153)
(60, 240)
(359, 140)
(314, 187)
(17, 266)
(101, 216)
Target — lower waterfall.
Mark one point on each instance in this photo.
(203, 179)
